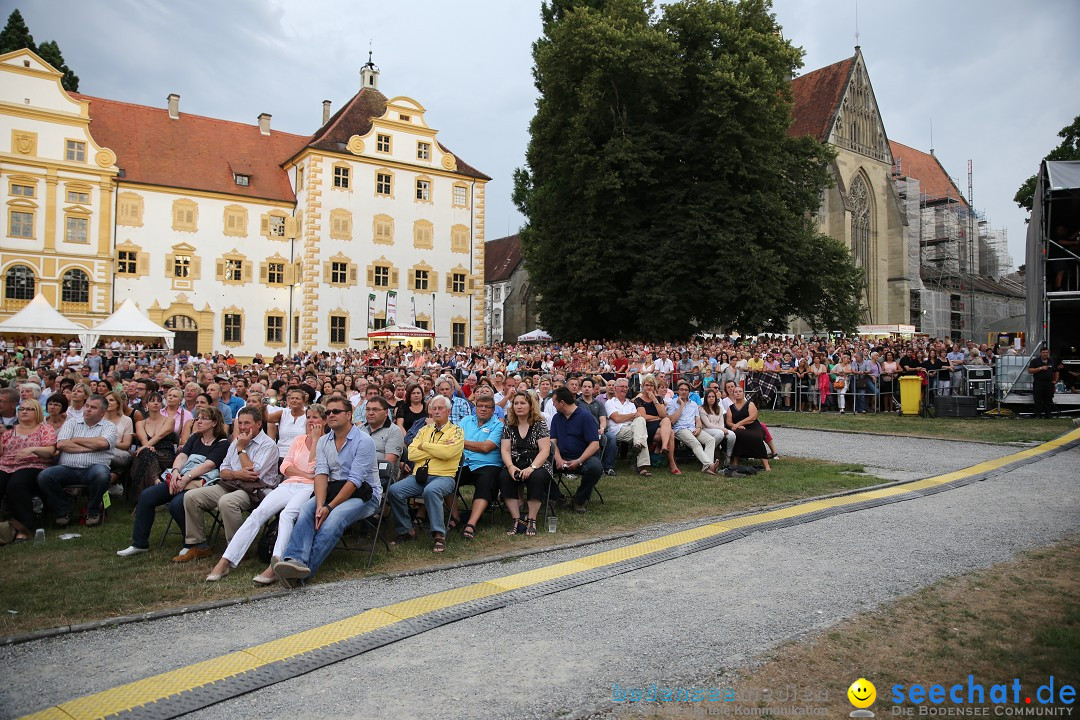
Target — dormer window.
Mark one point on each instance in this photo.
(242, 180)
(404, 118)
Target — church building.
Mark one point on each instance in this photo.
(836, 105)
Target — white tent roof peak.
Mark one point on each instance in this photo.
(127, 321)
(40, 318)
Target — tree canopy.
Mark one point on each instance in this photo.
(662, 193)
(1069, 149)
(16, 36)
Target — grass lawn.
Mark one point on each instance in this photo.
(1019, 619)
(66, 582)
(984, 429)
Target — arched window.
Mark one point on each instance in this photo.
(19, 283)
(862, 220)
(76, 287)
(181, 322)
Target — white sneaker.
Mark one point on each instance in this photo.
(131, 550)
(116, 490)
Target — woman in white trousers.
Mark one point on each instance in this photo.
(285, 501)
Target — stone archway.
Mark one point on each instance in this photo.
(182, 314)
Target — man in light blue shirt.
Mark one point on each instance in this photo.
(347, 490)
(865, 382)
(956, 360)
(483, 459)
(683, 413)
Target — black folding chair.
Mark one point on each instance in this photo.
(211, 537)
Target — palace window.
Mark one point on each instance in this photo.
(76, 229)
(19, 283)
(75, 151)
(384, 184)
(233, 328)
(341, 177)
(21, 223)
(423, 190)
(75, 287)
(127, 262)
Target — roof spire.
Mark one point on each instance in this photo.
(856, 24)
(369, 73)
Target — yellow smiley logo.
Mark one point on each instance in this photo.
(862, 693)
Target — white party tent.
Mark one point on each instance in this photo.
(127, 322)
(40, 318)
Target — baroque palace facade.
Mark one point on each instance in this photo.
(237, 236)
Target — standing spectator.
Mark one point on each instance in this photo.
(291, 420)
(84, 444)
(1043, 377)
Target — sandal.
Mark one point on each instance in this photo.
(454, 522)
(530, 527)
(643, 471)
(518, 528)
(439, 546)
(469, 531)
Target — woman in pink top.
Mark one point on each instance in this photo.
(285, 501)
(25, 450)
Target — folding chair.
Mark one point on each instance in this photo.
(453, 499)
(211, 537)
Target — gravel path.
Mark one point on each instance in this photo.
(558, 656)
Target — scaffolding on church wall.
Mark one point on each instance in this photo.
(952, 251)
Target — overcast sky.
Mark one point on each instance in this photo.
(996, 78)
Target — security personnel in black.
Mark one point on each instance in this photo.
(1043, 377)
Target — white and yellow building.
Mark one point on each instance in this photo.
(237, 236)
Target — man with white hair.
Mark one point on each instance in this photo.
(435, 453)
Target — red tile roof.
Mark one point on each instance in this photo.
(354, 118)
(817, 96)
(501, 258)
(193, 152)
(924, 167)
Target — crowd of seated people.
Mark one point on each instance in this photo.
(320, 441)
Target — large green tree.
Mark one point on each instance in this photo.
(662, 193)
(1069, 149)
(50, 53)
(16, 36)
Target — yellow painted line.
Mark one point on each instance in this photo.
(141, 692)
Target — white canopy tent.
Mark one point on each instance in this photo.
(536, 335)
(127, 322)
(400, 331)
(40, 318)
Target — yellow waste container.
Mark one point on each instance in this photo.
(910, 394)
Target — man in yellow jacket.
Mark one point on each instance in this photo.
(436, 453)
